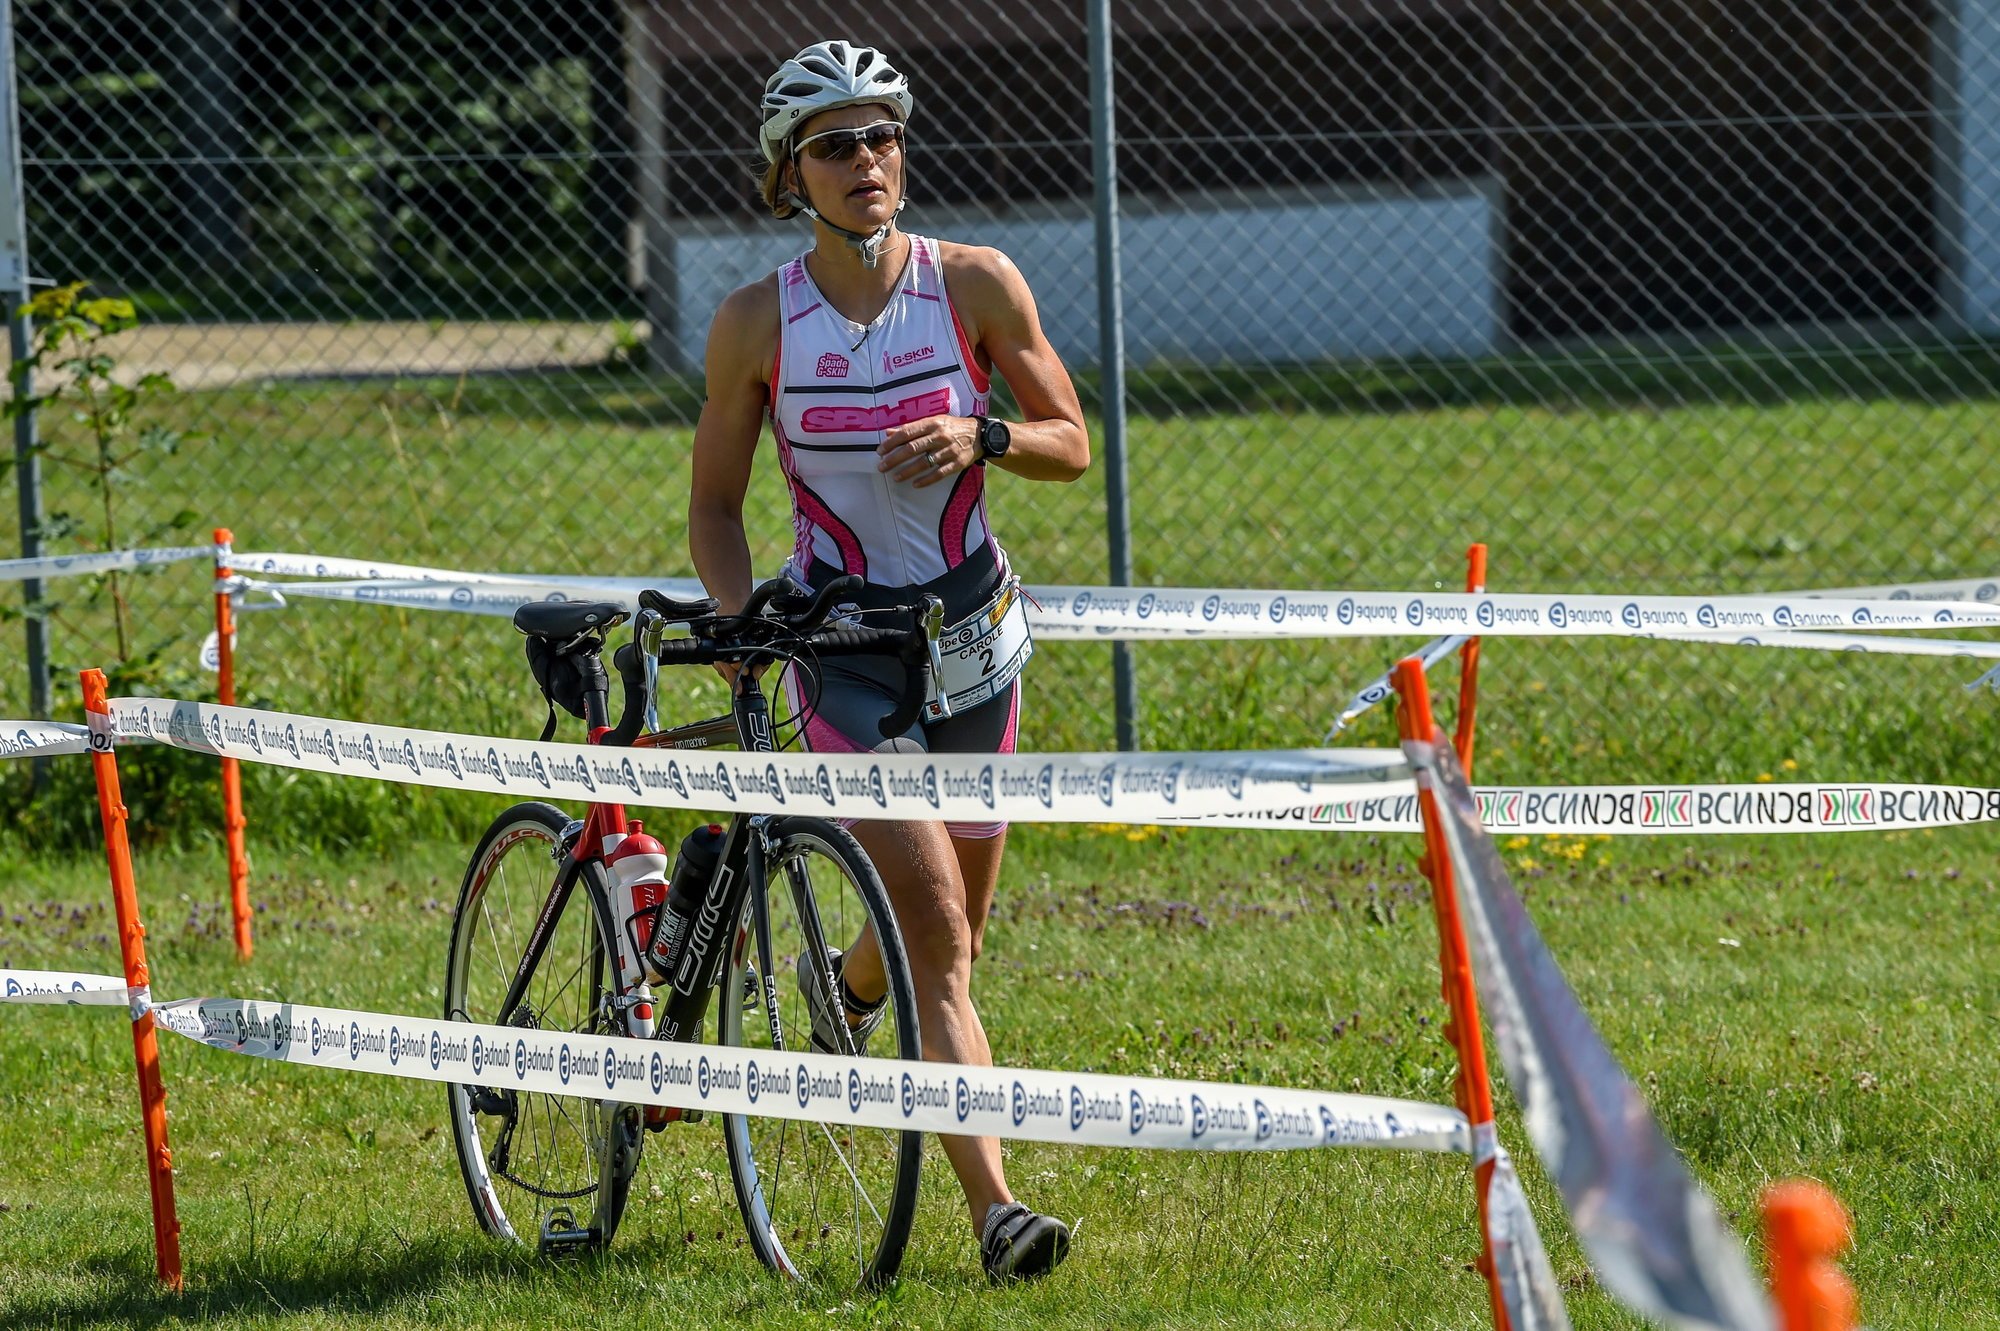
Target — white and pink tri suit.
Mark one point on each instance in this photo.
(836, 387)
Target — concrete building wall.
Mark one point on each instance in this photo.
(1292, 280)
(1978, 178)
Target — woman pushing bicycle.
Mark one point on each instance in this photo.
(871, 356)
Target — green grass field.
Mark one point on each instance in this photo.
(1849, 1034)
(1736, 472)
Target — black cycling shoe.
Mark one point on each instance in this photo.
(1017, 1244)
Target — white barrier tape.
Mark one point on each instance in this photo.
(1653, 1235)
(1059, 787)
(478, 597)
(34, 739)
(209, 657)
(1528, 1284)
(1961, 589)
(1087, 1109)
(293, 564)
(65, 987)
(333, 566)
(108, 561)
(1384, 684)
(1068, 612)
(1886, 644)
(390, 577)
(1758, 808)
(1090, 612)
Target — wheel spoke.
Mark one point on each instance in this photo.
(554, 1145)
(816, 902)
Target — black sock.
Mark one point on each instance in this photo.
(855, 1005)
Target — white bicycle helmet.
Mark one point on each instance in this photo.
(823, 76)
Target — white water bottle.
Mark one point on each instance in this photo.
(637, 866)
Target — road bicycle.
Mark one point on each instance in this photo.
(545, 937)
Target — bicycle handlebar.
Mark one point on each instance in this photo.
(743, 637)
(815, 613)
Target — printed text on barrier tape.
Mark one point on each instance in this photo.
(1079, 612)
(1746, 808)
(109, 561)
(28, 739)
(333, 566)
(475, 597)
(1881, 644)
(1089, 1109)
(1085, 1108)
(1069, 611)
(501, 599)
(63, 987)
(389, 577)
(72, 990)
(1143, 787)
(1957, 589)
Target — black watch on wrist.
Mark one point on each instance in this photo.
(994, 438)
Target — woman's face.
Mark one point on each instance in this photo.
(859, 192)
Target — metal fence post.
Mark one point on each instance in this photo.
(1948, 168)
(1111, 355)
(20, 335)
(652, 254)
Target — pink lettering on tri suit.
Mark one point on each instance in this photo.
(848, 420)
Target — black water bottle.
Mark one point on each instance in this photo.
(691, 930)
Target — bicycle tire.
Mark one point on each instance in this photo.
(579, 1149)
(803, 1232)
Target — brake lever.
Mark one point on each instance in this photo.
(938, 706)
(650, 632)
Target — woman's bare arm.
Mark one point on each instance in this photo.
(742, 343)
(998, 314)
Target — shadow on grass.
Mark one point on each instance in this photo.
(380, 1274)
(376, 1273)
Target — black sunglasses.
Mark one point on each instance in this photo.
(839, 145)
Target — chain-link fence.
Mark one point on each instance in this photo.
(1648, 295)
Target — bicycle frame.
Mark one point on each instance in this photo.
(737, 873)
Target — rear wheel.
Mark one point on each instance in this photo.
(548, 1170)
(820, 1200)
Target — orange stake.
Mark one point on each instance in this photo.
(1805, 1228)
(1468, 664)
(232, 773)
(132, 943)
(1473, 1088)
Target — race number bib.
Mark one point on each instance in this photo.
(982, 654)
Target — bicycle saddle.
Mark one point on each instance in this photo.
(566, 619)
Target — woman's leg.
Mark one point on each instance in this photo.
(979, 870)
(920, 866)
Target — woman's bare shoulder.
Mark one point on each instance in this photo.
(751, 308)
(977, 270)
(745, 330)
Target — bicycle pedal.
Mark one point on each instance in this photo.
(562, 1237)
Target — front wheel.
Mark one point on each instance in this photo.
(820, 1200)
(540, 1169)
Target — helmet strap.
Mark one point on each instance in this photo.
(868, 244)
